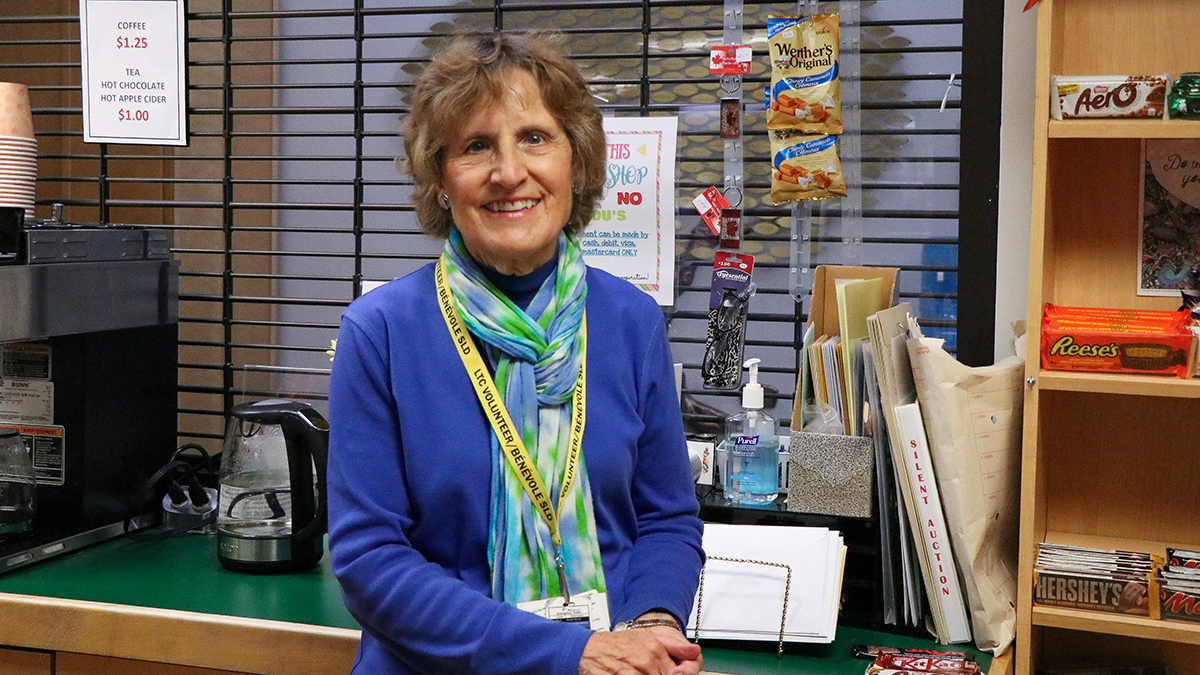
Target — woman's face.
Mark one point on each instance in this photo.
(508, 175)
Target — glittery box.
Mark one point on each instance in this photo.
(830, 474)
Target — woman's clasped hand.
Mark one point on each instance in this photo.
(642, 651)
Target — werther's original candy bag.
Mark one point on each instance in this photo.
(804, 167)
(805, 92)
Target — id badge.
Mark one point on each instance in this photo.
(588, 609)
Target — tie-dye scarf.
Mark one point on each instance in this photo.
(535, 355)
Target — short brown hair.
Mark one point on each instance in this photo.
(473, 69)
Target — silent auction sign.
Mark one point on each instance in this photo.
(133, 71)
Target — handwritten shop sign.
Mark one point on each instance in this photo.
(632, 233)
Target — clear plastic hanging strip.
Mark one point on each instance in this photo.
(731, 88)
(843, 216)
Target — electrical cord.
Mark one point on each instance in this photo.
(197, 494)
(186, 505)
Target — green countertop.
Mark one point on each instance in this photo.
(183, 574)
(808, 659)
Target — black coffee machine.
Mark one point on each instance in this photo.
(92, 327)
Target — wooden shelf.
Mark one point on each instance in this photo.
(1117, 624)
(1102, 454)
(1119, 383)
(1117, 128)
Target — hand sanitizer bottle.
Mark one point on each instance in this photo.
(751, 448)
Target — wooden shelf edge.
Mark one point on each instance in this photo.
(1114, 128)
(1119, 383)
(1003, 664)
(1117, 624)
(182, 638)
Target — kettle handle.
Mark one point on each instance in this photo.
(310, 516)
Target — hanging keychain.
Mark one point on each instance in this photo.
(730, 236)
(731, 107)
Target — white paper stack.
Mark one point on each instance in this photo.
(745, 600)
(18, 149)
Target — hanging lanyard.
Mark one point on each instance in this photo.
(510, 438)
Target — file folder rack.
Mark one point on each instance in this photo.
(787, 591)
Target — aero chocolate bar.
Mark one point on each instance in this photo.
(1108, 96)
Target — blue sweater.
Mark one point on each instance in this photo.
(410, 475)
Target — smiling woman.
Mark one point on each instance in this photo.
(472, 76)
(507, 180)
(481, 521)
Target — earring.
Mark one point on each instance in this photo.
(575, 187)
(445, 201)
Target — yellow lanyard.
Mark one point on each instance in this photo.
(509, 437)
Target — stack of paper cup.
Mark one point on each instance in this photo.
(18, 149)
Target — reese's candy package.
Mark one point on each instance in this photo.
(804, 167)
(1117, 340)
(805, 92)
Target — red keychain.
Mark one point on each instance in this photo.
(731, 223)
(710, 203)
(731, 123)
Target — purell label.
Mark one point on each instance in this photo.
(744, 446)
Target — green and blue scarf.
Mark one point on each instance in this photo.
(535, 355)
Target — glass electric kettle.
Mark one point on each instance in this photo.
(271, 508)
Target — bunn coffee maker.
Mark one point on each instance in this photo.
(91, 328)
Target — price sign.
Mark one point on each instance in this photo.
(134, 71)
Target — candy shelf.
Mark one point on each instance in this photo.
(1108, 460)
(1116, 383)
(1099, 128)
(1117, 624)
(1139, 627)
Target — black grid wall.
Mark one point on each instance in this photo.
(287, 203)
